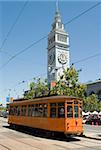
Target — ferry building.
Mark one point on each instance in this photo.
(58, 50)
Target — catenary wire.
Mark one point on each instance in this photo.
(84, 12)
(32, 44)
(84, 59)
(87, 58)
(13, 25)
(13, 87)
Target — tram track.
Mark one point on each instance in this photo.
(15, 139)
(5, 147)
(18, 140)
(27, 144)
(72, 141)
(59, 143)
(93, 140)
(86, 147)
(89, 141)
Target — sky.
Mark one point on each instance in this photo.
(24, 23)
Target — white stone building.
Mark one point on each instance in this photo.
(58, 50)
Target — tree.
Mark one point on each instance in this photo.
(38, 88)
(91, 103)
(69, 85)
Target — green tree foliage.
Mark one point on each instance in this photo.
(91, 103)
(69, 85)
(38, 88)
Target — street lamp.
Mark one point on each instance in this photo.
(9, 90)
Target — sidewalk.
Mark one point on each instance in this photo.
(92, 132)
(92, 135)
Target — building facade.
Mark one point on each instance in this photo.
(94, 88)
(58, 50)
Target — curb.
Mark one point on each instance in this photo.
(94, 138)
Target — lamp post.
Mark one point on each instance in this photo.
(9, 92)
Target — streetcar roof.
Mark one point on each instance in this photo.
(62, 97)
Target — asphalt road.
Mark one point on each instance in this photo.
(14, 140)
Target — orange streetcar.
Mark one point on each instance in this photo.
(61, 114)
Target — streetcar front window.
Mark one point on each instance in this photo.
(75, 102)
(11, 111)
(15, 110)
(69, 112)
(76, 111)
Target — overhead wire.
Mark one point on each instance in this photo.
(22, 82)
(13, 25)
(38, 76)
(23, 50)
(36, 42)
(87, 58)
(84, 59)
(82, 13)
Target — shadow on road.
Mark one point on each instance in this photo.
(43, 134)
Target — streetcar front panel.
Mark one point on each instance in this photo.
(73, 115)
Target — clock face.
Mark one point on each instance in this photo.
(62, 58)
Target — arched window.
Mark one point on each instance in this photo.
(99, 94)
(92, 92)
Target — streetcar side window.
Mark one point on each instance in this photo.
(36, 112)
(40, 110)
(23, 110)
(69, 112)
(33, 110)
(29, 110)
(45, 110)
(61, 110)
(53, 110)
(53, 104)
(18, 111)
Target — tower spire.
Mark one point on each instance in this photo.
(57, 5)
(58, 48)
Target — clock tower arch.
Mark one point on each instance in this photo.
(58, 49)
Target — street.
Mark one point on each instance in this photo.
(14, 140)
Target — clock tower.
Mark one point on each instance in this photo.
(58, 49)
